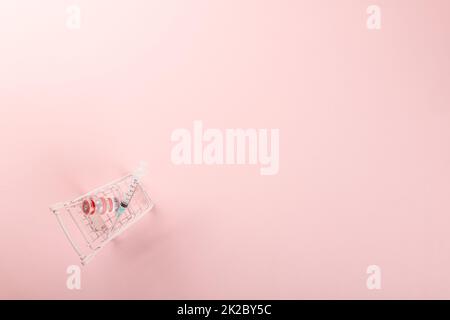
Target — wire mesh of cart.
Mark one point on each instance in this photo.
(89, 232)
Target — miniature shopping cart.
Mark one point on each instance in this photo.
(89, 233)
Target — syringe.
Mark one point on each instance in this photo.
(128, 196)
(137, 175)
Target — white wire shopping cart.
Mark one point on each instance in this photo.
(88, 234)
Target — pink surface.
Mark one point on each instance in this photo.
(364, 146)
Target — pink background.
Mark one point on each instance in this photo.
(364, 146)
